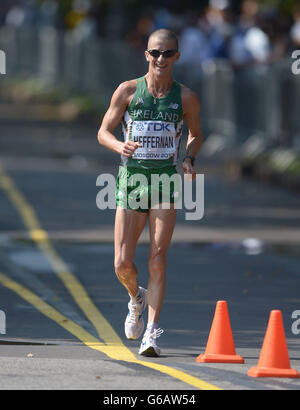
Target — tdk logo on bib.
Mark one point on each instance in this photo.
(157, 139)
(154, 126)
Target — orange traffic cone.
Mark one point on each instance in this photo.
(220, 346)
(274, 357)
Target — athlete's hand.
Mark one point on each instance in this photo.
(129, 147)
(188, 169)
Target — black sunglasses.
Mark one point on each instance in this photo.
(165, 54)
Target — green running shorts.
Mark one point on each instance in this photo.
(140, 189)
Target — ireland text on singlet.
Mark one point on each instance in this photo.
(156, 126)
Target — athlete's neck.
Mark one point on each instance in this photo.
(158, 84)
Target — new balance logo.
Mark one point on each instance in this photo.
(173, 106)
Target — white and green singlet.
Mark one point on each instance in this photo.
(157, 124)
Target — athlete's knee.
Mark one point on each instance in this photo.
(123, 267)
(157, 261)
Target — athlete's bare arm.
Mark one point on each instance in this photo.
(118, 105)
(191, 110)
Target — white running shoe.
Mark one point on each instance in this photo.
(134, 323)
(148, 346)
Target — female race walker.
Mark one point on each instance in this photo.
(151, 110)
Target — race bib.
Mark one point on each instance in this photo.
(157, 139)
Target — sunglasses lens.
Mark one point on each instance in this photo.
(169, 53)
(154, 53)
(165, 54)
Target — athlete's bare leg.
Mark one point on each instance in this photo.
(129, 225)
(161, 227)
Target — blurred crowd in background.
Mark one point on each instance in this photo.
(236, 55)
(243, 32)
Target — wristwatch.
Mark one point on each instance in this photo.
(191, 158)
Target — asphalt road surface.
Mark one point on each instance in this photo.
(65, 309)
